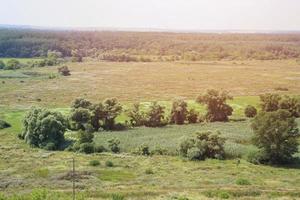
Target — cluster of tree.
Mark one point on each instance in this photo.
(53, 58)
(174, 46)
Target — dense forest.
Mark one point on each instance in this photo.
(117, 46)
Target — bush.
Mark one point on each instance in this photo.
(159, 151)
(12, 65)
(137, 117)
(291, 104)
(44, 128)
(109, 163)
(250, 111)
(269, 102)
(113, 144)
(242, 181)
(4, 124)
(155, 116)
(79, 117)
(143, 150)
(179, 111)
(85, 137)
(112, 108)
(94, 163)
(217, 109)
(149, 171)
(87, 148)
(192, 116)
(64, 70)
(203, 145)
(275, 134)
(99, 149)
(2, 64)
(117, 197)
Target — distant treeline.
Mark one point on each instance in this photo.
(149, 46)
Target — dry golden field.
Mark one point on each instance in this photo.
(146, 81)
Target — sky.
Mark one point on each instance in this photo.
(155, 14)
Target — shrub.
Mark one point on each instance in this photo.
(87, 148)
(179, 111)
(291, 104)
(112, 108)
(113, 144)
(159, 151)
(43, 127)
(109, 163)
(85, 137)
(81, 103)
(203, 145)
(137, 117)
(117, 197)
(79, 118)
(269, 102)
(64, 70)
(12, 64)
(94, 163)
(255, 157)
(192, 116)
(250, 111)
(4, 124)
(155, 116)
(242, 181)
(99, 149)
(2, 64)
(217, 109)
(143, 150)
(276, 136)
(149, 171)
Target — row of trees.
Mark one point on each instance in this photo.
(187, 46)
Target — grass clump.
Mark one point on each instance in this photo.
(94, 163)
(109, 163)
(242, 181)
(117, 197)
(149, 171)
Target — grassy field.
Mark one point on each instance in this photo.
(24, 170)
(131, 82)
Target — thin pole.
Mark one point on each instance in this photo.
(73, 179)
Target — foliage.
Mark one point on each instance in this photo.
(149, 171)
(87, 148)
(113, 144)
(12, 64)
(203, 145)
(242, 181)
(217, 109)
(250, 111)
(109, 163)
(292, 104)
(80, 117)
(85, 137)
(117, 197)
(64, 70)
(112, 108)
(276, 136)
(2, 64)
(42, 127)
(94, 163)
(81, 103)
(136, 116)
(270, 102)
(178, 111)
(155, 116)
(4, 124)
(143, 150)
(192, 116)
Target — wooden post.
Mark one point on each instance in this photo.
(73, 179)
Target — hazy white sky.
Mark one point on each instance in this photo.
(166, 14)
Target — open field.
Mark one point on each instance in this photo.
(23, 169)
(145, 81)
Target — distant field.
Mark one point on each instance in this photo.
(131, 82)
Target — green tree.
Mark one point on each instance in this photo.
(137, 117)
(97, 115)
(276, 136)
(155, 116)
(80, 117)
(217, 109)
(250, 111)
(192, 116)
(112, 108)
(291, 104)
(43, 128)
(270, 102)
(179, 111)
(81, 103)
